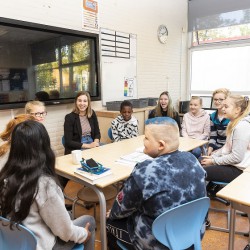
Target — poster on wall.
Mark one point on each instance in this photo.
(128, 87)
(90, 15)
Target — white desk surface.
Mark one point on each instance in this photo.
(109, 153)
(247, 170)
(237, 190)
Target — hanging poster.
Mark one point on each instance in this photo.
(128, 87)
(90, 15)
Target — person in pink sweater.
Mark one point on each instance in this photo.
(196, 123)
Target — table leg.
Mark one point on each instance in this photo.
(232, 227)
(102, 202)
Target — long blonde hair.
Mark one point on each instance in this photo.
(89, 109)
(170, 108)
(6, 134)
(243, 103)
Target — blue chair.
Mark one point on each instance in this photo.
(20, 237)
(110, 134)
(180, 227)
(119, 243)
(17, 238)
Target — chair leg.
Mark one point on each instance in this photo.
(74, 207)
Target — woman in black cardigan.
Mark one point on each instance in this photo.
(81, 128)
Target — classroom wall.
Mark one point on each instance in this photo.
(159, 66)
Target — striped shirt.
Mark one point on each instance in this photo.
(86, 129)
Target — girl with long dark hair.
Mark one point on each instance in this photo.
(29, 193)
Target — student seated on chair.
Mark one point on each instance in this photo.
(165, 108)
(170, 179)
(81, 128)
(29, 193)
(196, 123)
(125, 126)
(227, 163)
(218, 121)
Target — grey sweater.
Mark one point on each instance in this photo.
(49, 218)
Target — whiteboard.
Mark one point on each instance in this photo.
(118, 65)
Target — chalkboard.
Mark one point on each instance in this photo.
(118, 65)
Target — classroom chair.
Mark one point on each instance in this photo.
(17, 238)
(110, 135)
(119, 243)
(212, 196)
(20, 237)
(180, 227)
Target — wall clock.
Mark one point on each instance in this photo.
(162, 33)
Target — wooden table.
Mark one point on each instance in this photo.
(107, 155)
(238, 193)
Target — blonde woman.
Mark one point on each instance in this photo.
(228, 162)
(218, 121)
(165, 108)
(36, 109)
(81, 128)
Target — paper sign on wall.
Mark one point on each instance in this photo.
(90, 15)
(129, 87)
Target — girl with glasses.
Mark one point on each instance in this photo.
(218, 121)
(36, 109)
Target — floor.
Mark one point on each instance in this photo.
(213, 240)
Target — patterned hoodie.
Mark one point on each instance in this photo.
(156, 186)
(122, 129)
(196, 127)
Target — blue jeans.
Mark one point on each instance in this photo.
(87, 139)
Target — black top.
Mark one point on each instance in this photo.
(164, 113)
(73, 131)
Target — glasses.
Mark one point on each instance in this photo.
(218, 100)
(39, 114)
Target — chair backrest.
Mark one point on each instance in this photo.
(110, 134)
(180, 227)
(63, 141)
(17, 238)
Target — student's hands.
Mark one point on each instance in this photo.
(91, 145)
(89, 233)
(207, 161)
(209, 151)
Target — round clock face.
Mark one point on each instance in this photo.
(162, 33)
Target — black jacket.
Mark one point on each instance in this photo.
(73, 131)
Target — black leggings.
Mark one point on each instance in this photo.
(222, 173)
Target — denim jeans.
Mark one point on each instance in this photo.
(87, 139)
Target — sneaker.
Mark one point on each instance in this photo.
(208, 224)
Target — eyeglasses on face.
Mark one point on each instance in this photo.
(218, 100)
(39, 114)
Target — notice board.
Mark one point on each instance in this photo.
(118, 65)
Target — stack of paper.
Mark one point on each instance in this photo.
(133, 158)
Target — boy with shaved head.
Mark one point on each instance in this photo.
(170, 179)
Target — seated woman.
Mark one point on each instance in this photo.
(5, 137)
(29, 193)
(218, 121)
(37, 109)
(81, 128)
(228, 162)
(196, 123)
(165, 108)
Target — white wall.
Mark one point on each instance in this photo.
(159, 66)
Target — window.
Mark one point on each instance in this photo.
(46, 63)
(226, 67)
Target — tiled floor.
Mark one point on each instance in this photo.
(213, 240)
